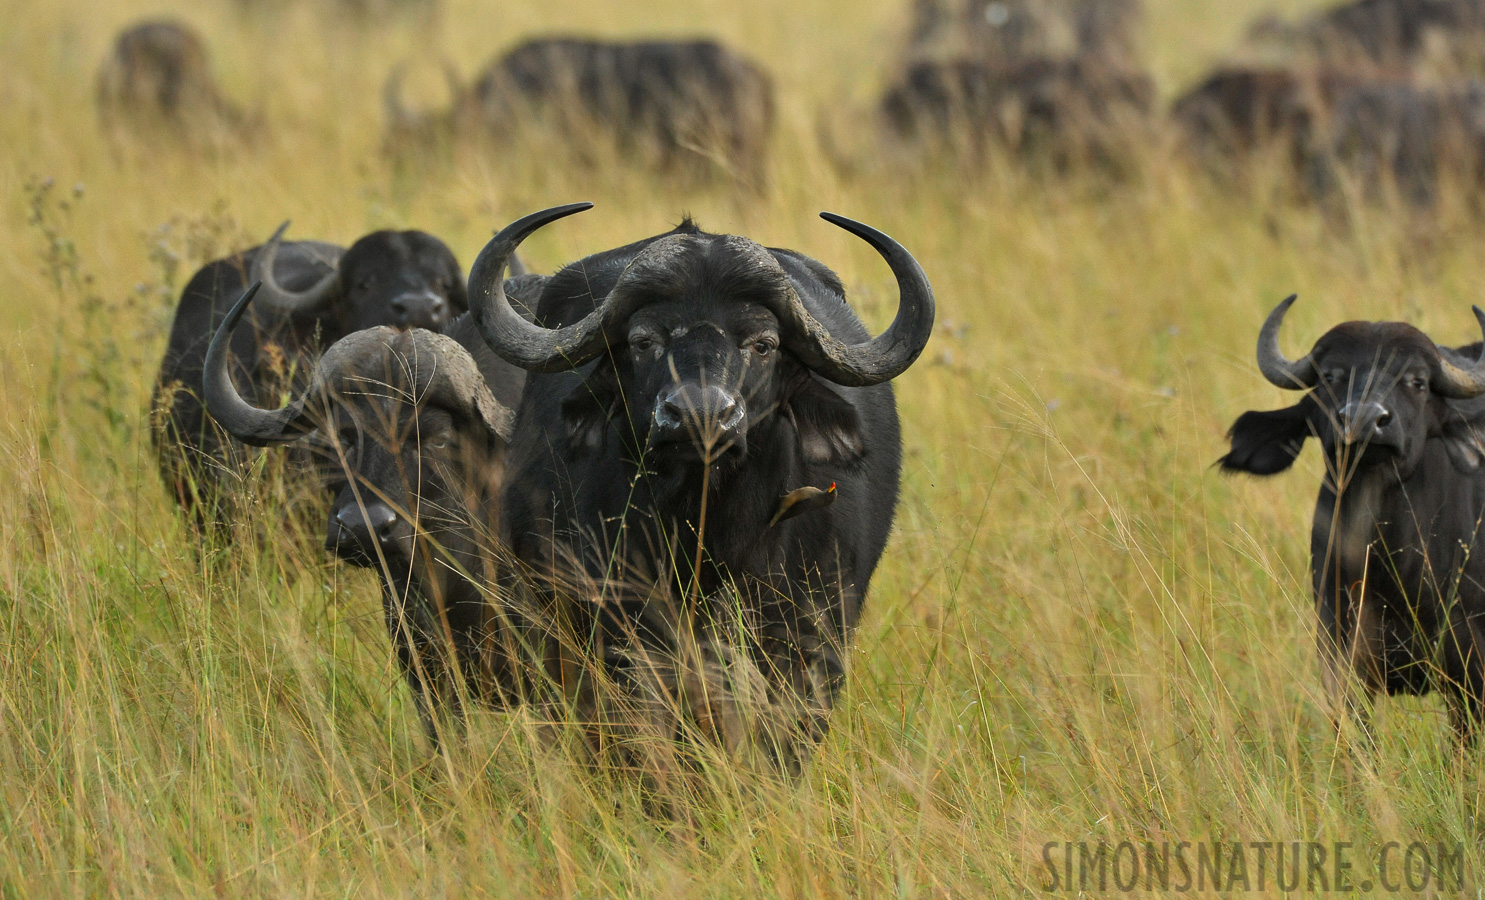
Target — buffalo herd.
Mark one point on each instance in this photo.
(1371, 98)
(647, 493)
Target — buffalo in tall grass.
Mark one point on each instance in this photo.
(411, 427)
(703, 478)
(157, 83)
(680, 107)
(1446, 36)
(1399, 578)
(313, 295)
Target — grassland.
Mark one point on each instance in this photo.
(1080, 631)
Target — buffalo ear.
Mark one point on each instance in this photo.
(829, 427)
(590, 406)
(1464, 443)
(1266, 443)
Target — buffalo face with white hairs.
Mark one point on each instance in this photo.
(1396, 541)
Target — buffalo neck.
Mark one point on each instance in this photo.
(740, 496)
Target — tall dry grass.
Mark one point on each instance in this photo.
(1079, 631)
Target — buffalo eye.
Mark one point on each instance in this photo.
(1419, 383)
(644, 343)
(764, 346)
(348, 443)
(1332, 377)
(443, 440)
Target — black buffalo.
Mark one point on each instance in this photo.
(1059, 114)
(684, 106)
(412, 428)
(1239, 111)
(1396, 545)
(1385, 35)
(1341, 133)
(1407, 140)
(158, 78)
(313, 295)
(697, 402)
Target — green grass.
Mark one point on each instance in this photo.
(1080, 631)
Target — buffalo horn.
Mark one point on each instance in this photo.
(310, 300)
(540, 349)
(242, 420)
(1296, 375)
(1462, 379)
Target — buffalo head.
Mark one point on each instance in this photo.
(704, 337)
(1376, 393)
(412, 436)
(407, 279)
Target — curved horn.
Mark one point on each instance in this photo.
(519, 342)
(311, 300)
(242, 420)
(1296, 375)
(1458, 382)
(888, 355)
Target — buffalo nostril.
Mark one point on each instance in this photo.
(399, 306)
(1383, 420)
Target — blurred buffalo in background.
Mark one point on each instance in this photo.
(313, 294)
(1059, 114)
(1447, 36)
(1056, 84)
(1368, 101)
(157, 82)
(688, 107)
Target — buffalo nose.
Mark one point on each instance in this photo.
(1363, 421)
(704, 410)
(423, 309)
(364, 530)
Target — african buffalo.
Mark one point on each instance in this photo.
(313, 295)
(1407, 139)
(1446, 35)
(704, 474)
(683, 106)
(158, 76)
(1061, 114)
(1336, 129)
(412, 428)
(1399, 583)
(1238, 111)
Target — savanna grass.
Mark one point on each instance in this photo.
(1080, 631)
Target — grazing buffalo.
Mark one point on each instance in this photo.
(313, 295)
(1385, 34)
(704, 474)
(1238, 111)
(1062, 114)
(412, 428)
(1337, 129)
(158, 77)
(691, 106)
(1405, 138)
(1396, 546)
